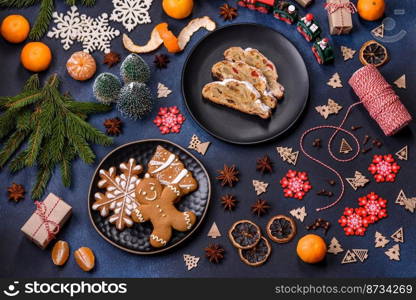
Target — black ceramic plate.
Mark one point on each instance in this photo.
(136, 238)
(231, 125)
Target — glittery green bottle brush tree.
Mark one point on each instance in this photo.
(45, 12)
(54, 127)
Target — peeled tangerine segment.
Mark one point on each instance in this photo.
(155, 42)
(192, 27)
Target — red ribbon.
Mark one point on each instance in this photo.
(41, 212)
(333, 7)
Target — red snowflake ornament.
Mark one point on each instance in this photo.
(355, 221)
(169, 120)
(375, 207)
(384, 168)
(295, 184)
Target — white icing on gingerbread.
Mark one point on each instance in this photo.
(164, 165)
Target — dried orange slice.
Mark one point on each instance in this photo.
(373, 53)
(281, 229)
(257, 255)
(169, 39)
(244, 234)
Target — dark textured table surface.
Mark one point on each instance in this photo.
(19, 257)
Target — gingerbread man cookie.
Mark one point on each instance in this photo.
(155, 204)
(168, 169)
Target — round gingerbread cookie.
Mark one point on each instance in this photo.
(81, 66)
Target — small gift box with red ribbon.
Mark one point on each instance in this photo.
(340, 16)
(49, 217)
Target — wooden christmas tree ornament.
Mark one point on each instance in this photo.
(299, 213)
(347, 53)
(401, 82)
(398, 236)
(335, 247)
(362, 254)
(349, 258)
(394, 252)
(335, 81)
(288, 155)
(260, 187)
(378, 31)
(345, 148)
(380, 240)
(191, 261)
(403, 153)
(214, 232)
(359, 180)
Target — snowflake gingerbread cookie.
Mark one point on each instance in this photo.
(384, 168)
(295, 184)
(169, 120)
(168, 169)
(119, 197)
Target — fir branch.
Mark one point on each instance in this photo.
(70, 2)
(42, 21)
(43, 177)
(23, 100)
(54, 126)
(67, 156)
(18, 163)
(11, 146)
(32, 84)
(88, 2)
(17, 3)
(7, 123)
(85, 108)
(79, 127)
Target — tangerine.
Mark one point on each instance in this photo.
(178, 9)
(371, 10)
(36, 56)
(311, 248)
(15, 28)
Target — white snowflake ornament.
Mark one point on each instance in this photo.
(68, 26)
(94, 33)
(131, 13)
(98, 35)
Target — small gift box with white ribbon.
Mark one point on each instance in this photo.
(49, 217)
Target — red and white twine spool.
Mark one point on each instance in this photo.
(380, 100)
(383, 105)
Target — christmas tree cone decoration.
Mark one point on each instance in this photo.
(380, 240)
(191, 261)
(334, 247)
(214, 232)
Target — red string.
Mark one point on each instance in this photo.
(333, 7)
(337, 129)
(41, 212)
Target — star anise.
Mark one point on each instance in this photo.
(113, 126)
(214, 253)
(111, 59)
(161, 61)
(260, 207)
(16, 192)
(264, 165)
(228, 175)
(229, 202)
(227, 12)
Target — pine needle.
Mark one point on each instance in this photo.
(42, 21)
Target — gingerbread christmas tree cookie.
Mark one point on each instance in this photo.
(168, 169)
